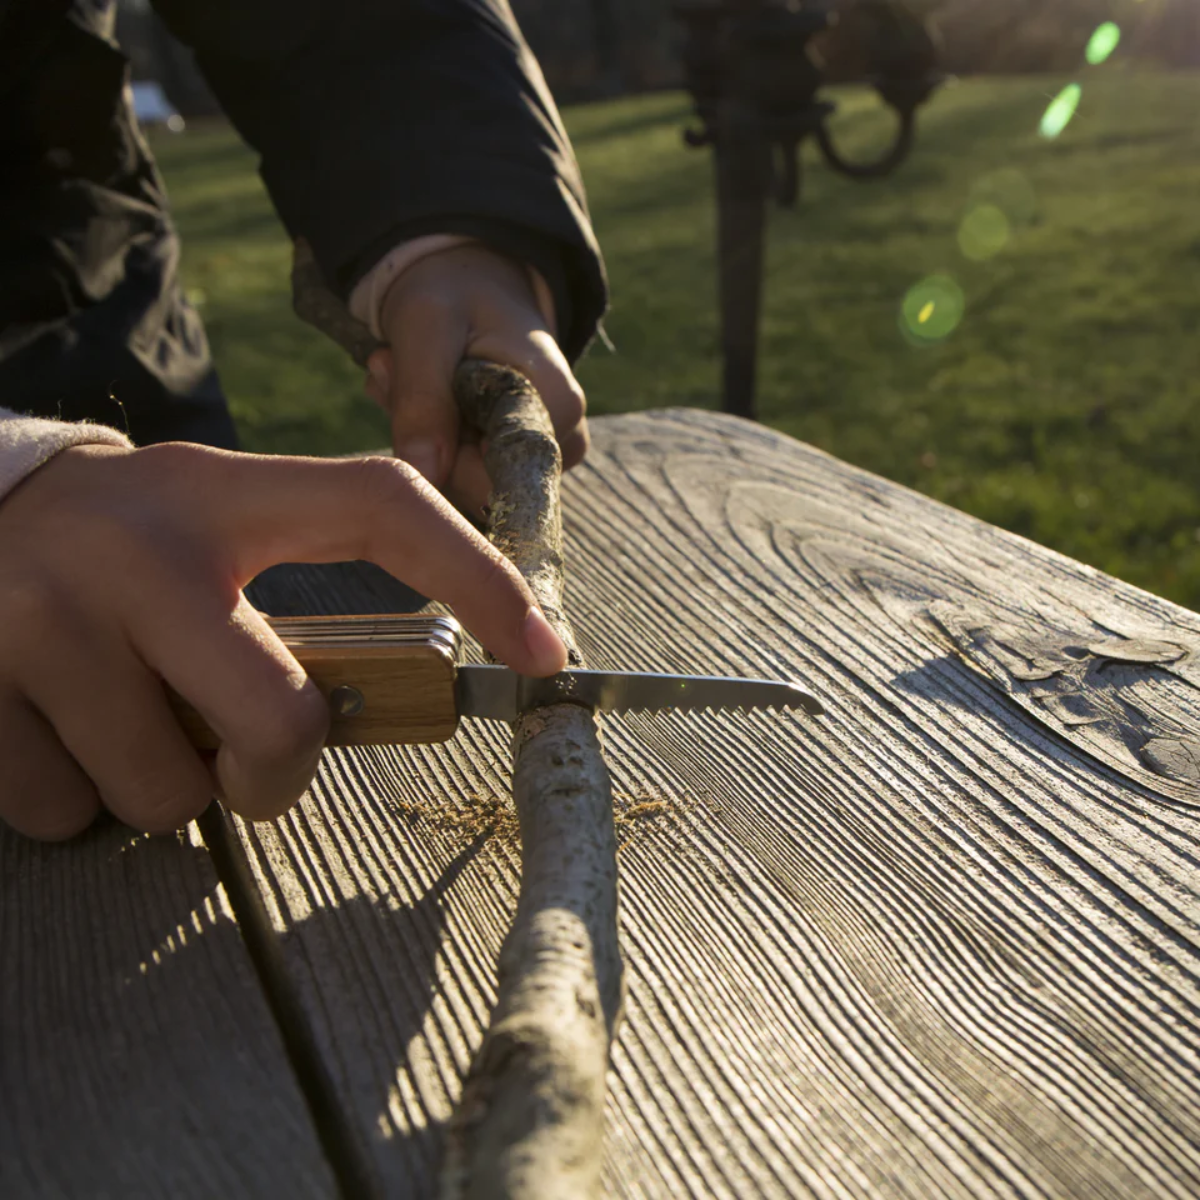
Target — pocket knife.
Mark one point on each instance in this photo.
(392, 679)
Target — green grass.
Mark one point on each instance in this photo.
(1064, 406)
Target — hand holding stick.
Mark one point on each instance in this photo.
(531, 1118)
(530, 1123)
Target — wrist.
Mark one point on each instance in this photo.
(369, 296)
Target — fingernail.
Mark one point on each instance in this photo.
(424, 454)
(545, 647)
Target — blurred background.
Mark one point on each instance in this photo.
(1010, 323)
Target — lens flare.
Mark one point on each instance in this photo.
(1009, 190)
(1102, 43)
(1062, 108)
(983, 232)
(931, 310)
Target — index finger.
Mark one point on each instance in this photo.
(266, 510)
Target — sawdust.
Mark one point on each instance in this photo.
(647, 808)
(489, 815)
(636, 814)
(493, 816)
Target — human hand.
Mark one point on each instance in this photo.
(465, 302)
(122, 570)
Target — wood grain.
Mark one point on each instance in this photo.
(137, 1057)
(407, 695)
(941, 942)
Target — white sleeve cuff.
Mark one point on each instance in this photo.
(26, 443)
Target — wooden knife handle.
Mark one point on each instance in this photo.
(378, 695)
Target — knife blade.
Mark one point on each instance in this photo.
(501, 694)
(397, 679)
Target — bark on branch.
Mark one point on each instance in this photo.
(531, 1119)
(530, 1123)
(319, 307)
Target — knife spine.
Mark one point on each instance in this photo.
(377, 630)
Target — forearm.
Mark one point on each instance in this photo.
(381, 123)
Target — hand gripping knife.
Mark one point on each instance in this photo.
(392, 679)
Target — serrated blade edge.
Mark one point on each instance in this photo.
(500, 694)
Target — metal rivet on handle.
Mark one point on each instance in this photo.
(346, 701)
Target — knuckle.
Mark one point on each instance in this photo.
(33, 608)
(383, 481)
(385, 486)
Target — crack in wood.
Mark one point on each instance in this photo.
(352, 1166)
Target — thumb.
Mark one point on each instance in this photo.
(267, 509)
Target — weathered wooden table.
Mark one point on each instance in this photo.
(941, 943)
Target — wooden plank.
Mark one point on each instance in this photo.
(942, 942)
(137, 1056)
(358, 881)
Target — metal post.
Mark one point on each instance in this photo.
(741, 158)
(748, 67)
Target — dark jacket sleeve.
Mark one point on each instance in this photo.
(378, 120)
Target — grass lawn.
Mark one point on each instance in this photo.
(1065, 404)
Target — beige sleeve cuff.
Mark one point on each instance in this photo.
(366, 301)
(28, 442)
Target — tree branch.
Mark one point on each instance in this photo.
(316, 305)
(530, 1123)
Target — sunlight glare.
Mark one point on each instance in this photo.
(1103, 42)
(983, 233)
(1062, 108)
(931, 310)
